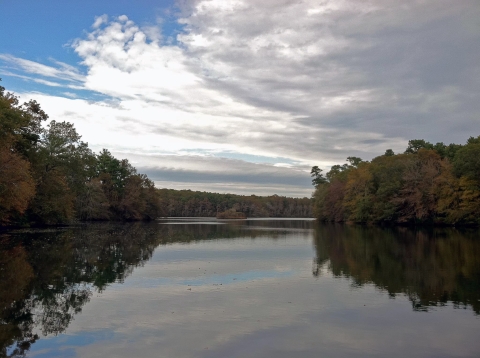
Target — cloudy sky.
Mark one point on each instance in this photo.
(244, 96)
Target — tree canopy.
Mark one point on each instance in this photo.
(428, 183)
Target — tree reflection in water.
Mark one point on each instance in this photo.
(431, 267)
(47, 276)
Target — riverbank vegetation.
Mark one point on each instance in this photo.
(187, 203)
(231, 214)
(427, 184)
(48, 175)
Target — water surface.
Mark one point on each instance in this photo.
(254, 288)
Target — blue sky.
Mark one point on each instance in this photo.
(245, 96)
(42, 31)
(38, 30)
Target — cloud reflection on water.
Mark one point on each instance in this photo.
(268, 303)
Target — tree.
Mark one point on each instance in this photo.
(334, 171)
(49, 175)
(415, 145)
(358, 194)
(354, 161)
(19, 128)
(467, 161)
(17, 186)
(387, 180)
(118, 170)
(316, 174)
(54, 202)
(61, 172)
(420, 189)
(92, 204)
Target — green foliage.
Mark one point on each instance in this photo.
(354, 161)
(473, 140)
(117, 170)
(467, 161)
(434, 184)
(446, 151)
(415, 145)
(316, 174)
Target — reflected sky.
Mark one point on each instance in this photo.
(254, 295)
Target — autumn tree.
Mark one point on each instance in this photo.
(19, 129)
(17, 186)
(420, 189)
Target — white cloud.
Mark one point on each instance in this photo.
(99, 20)
(65, 72)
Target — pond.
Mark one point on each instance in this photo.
(249, 288)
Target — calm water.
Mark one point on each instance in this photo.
(255, 288)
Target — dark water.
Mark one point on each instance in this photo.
(256, 288)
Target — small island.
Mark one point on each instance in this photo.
(231, 214)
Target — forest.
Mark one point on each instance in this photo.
(49, 176)
(185, 203)
(427, 184)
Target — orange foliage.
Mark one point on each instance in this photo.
(17, 187)
(16, 275)
(419, 194)
(421, 187)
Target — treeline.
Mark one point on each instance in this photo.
(49, 176)
(427, 184)
(187, 203)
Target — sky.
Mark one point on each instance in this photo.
(243, 96)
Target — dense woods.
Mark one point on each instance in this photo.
(187, 203)
(427, 184)
(49, 176)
